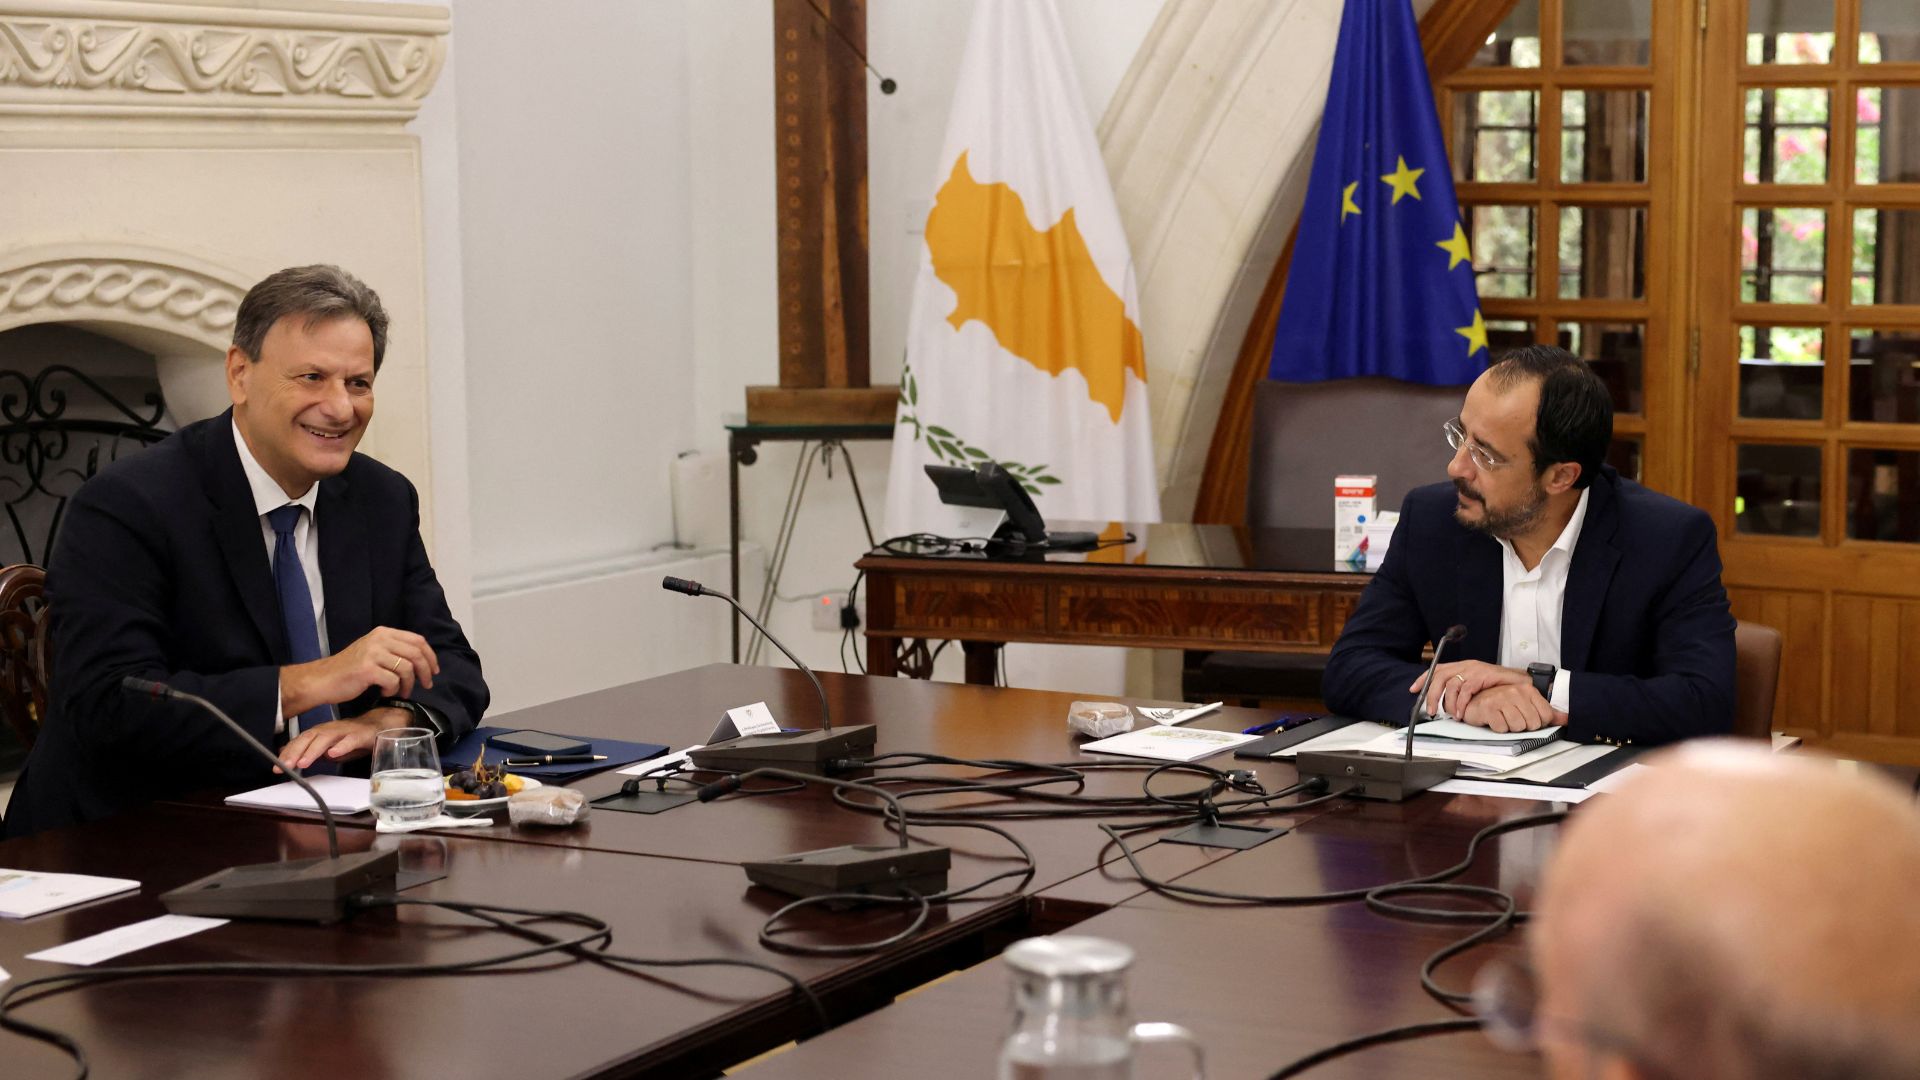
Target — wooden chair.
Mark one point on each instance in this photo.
(1756, 677)
(23, 649)
(1304, 435)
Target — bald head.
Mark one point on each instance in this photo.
(1732, 913)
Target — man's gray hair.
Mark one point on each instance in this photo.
(318, 293)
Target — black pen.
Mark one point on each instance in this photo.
(556, 759)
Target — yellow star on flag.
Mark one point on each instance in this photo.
(1347, 205)
(1476, 334)
(1456, 248)
(1402, 179)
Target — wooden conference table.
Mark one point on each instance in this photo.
(1175, 587)
(1261, 985)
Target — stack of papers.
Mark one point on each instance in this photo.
(1170, 743)
(343, 795)
(1449, 736)
(26, 893)
(1475, 762)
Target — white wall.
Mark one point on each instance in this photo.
(601, 290)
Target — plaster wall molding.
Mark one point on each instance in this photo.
(1209, 143)
(291, 60)
(175, 296)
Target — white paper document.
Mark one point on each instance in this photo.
(1351, 737)
(343, 795)
(26, 893)
(1178, 714)
(1484, 765)
(1169, 743)
(659, 764)
(89, 951)
(1501, 790)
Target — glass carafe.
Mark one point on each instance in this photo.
(1071, 1020)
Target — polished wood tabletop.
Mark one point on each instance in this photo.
(669, 885)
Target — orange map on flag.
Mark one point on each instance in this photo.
(1038, 291)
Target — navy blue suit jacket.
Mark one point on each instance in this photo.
(160, 571)
(1645, 627)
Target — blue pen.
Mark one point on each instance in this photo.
(1286, 721)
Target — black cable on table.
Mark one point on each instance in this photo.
(1403, 1033)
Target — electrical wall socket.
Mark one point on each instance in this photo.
(826, 611)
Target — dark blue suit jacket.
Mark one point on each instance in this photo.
(160, 571)
(1645, 627)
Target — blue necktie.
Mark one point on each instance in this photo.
(296, 607)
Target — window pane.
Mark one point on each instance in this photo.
(1603, 136)
(1887, 135)
(1612, 32)
(1783, 254)
(1889, 31)
(1494, 133)
(1614, 350)
(1886, 256)
(1777, 490)
(1603, 252)
(1503, 242)
(1624, 456)
(1883, 382)
(1781, 368)
(1504, 334)
(1883, 495)
(1786, 136)
(1515, 42)
(1796, 33)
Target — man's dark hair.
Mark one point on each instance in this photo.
(1575, 420)
(317, 292)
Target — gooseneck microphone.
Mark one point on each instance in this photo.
(694, 588)
(1454, 633)
(135, 684)
(1368, 774)
(869, 869)
(312, 890)
(788, 749)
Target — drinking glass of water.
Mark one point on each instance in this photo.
(407, 785)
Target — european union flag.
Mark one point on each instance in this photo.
(1381, 281)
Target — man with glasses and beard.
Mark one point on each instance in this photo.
(1589, 601)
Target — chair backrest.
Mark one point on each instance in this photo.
(1305, 434)
(23, 649)
(1755, 678)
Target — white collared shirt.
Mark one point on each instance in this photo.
(1533, 601)
(269, 496)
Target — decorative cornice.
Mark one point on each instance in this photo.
(186, 302)
(322, 61)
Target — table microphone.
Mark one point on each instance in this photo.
(872, 869)
(308, 890)
(787, 749)
(1390, 777)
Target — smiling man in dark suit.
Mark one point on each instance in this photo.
(256, 560)
(1589, 600)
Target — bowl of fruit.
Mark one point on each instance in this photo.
(480, 787)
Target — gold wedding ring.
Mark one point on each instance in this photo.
(398, 663)
(1459, 676)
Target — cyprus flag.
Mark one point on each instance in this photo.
(1023, 345)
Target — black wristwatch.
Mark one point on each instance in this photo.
(1542, 675)
(422, 715)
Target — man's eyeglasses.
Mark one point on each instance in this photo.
(1506, 998)
(1457, 438)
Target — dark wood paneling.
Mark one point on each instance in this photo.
(932, 607)
(1800, 618)
(1228, 616)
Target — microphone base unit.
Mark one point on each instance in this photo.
(298, 890)
(866, 869)
(1369, 775)
(798, 751)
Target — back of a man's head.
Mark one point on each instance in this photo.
(1732, 915)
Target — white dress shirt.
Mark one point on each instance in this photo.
(1531, 605)
(269, 496)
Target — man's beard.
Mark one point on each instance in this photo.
(1503, 524)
